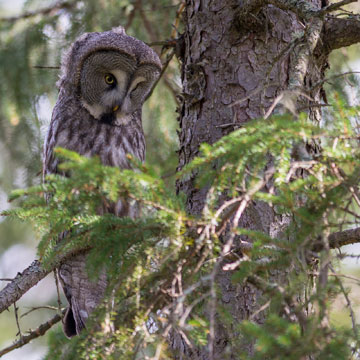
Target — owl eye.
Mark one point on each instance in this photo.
(110, 79)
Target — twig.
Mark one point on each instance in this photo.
(175, 25)
(17, 320)
(41, 330)
(57, 290)
(302, 8)
(165, 65)
(165, 43)
(319, 83)
(336, 6)
(132, 15)
(45, 11)
(353, 278)
(46, 67)
(273, 287)
(324, 272)
(238, 212)
(38, 308)
(148, 26)
(352, 314)
(258, 311)
(306, 9)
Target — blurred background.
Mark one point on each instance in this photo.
(33, 34)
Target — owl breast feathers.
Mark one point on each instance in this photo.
(105, 79)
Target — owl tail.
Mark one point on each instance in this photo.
(82, 293)
(73, 323)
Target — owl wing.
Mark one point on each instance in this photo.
(83, 294)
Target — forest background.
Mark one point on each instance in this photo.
(33, 34)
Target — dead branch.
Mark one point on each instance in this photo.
(336, 6)
(339, 239)
(348, 303)
(340, 32)
(46, 67)
(329, 79)
(17, 321)
(147, 24)
(346, 237)
(41, 330)
(39, 308)
(21, 284)
(30, 277)
(132, 14)
(302, 8)
(165, 65)
(44, 11)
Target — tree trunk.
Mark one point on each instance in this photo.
(232, 72)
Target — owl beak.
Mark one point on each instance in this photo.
(115, 108)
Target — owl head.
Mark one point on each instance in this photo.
(110, 73)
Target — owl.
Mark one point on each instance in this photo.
(105, 79)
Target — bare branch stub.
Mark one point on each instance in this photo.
(247, 14)
(339, 239)
(340, 32)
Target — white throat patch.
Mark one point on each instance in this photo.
(95, 110)
(122, 119)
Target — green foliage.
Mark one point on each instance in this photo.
(30, 55)
(279, 339)
(162, 265)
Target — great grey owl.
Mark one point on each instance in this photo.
(105, 79)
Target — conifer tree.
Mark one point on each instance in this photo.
(239, 258)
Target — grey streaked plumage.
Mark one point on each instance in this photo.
(105, 78)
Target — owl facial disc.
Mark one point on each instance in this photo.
(113, 85)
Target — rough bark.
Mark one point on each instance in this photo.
(232, 72)
(21, 284)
